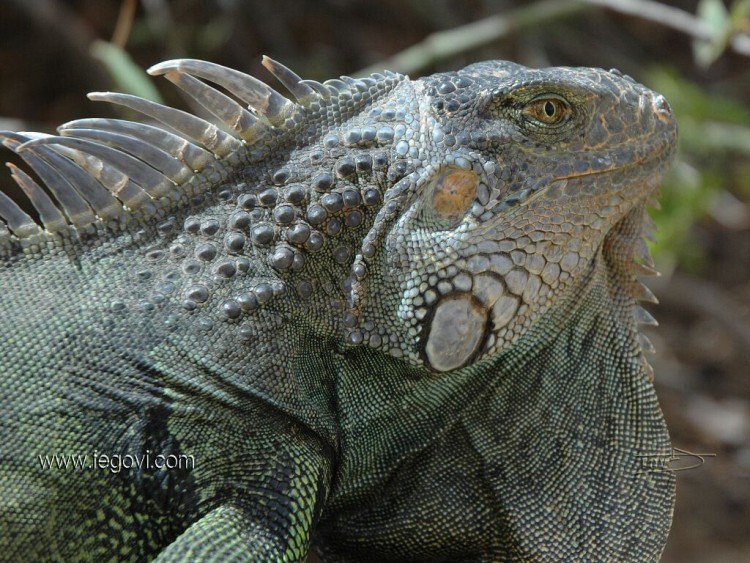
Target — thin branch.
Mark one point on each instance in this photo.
(124, 23)
(444, 44)
(674, 18)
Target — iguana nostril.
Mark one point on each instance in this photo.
(662, 107)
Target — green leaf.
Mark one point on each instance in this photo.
(715, 16)
(689, 99)
(128, 76)
(740, 14)
(711, 167)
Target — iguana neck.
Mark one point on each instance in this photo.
(558, 351)
(571, 393)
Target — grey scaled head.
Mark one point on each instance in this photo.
(525, 174)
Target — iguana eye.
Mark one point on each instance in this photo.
(549, 110)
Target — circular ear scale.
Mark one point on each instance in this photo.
(454, 191)
(456, 332)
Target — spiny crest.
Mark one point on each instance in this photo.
(102, 171)
(643, 265)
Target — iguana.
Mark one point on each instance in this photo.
(382, 319)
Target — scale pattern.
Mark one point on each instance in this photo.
(380, 319)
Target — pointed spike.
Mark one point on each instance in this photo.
(649, 234)
(646, 344)
(642, 293)
(644, 270)
(222, 106)
(17, 219)
(643, 253)
(51, 217)
(155, 183)
(338, 86)
(218, 142)
(321, 89)
(119, 184)
(649, 228)
(193, 156)
(355, 84)
(648, 368)
(643, 317)
(49, 214)
(261, 97)
(302, 92)
(101, 201)
(165, 163)
(13, 140)
(73, 205)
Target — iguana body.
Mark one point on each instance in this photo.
(394, 319)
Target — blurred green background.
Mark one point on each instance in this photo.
(695, 52)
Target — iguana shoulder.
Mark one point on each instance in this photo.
(394, 319)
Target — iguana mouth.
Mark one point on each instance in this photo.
(656, 153)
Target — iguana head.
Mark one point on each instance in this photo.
(525, 176)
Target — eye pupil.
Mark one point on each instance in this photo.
(547, 111)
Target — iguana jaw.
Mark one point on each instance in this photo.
(500, 308)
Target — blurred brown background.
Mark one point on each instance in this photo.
(695, 52)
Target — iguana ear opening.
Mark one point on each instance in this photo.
(449, 196)
(442, 331)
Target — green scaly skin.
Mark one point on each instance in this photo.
(394, 320)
